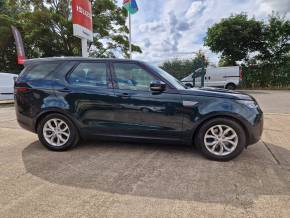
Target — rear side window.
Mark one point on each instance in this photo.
(40, 71)
(89, 75)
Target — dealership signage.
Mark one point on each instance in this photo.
(82, 21)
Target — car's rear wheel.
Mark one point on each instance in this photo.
(221, 139)
(58, 133)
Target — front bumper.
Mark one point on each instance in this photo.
(255, 131)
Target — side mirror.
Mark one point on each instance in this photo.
(157, 86)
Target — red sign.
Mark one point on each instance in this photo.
(82, 18)
(82, 13)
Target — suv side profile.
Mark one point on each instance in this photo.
(65, 99)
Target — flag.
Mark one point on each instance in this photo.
(131, 6)
(19, 45)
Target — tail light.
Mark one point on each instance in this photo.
(241, 74)
(21, 89)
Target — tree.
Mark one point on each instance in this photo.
(225, 61)
(46, 29)
(7, 48)
(276, 46)
(182, 68)
(8, 16)
(235, 37)
(111, 27)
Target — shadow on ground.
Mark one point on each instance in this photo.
(163, 171)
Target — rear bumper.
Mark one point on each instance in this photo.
(25, 122)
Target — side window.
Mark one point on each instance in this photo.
(89, 75)
(40, 71)
(132, 77)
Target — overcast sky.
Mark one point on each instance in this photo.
(166, 28)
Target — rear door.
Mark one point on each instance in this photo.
(87, 93)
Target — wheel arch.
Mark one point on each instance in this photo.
(230, 83)
(230, 117)
(47, 112)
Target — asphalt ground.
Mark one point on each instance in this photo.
(113, 179)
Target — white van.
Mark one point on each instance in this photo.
(226, 77)
(7, 86)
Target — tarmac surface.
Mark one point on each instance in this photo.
(113, 179)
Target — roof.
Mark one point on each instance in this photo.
(35, 60)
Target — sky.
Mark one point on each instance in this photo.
(166, 29)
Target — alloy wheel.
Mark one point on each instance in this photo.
(221, 140)
(56, 132)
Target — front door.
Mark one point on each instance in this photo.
(142, 113)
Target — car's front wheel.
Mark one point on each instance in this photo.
(221, 139)
(58, 133)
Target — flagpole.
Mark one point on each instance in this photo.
(130, 38)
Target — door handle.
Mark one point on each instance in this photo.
(123, 95)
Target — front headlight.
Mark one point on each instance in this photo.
(248, 103)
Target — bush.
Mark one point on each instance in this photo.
(267, 76)
(182, 68)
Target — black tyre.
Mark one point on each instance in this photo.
(221, 139)
(57, 132)
(231, 86)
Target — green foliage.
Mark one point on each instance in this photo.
(9, 10)
(276, 41)
(182, 68)
(238, 38)
(46, 29)
(225, 61)
(7, 47)
(235, 37)
(267, 76)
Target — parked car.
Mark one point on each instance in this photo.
(224, 77)
(7, 85)
(65, 99)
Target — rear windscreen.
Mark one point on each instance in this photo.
(39, 71)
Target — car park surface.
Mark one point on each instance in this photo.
(114, 179)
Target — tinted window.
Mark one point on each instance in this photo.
(89, 74)
(40, 71)
(132, 77)
(175, 82)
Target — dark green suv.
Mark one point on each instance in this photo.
(65, 99)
